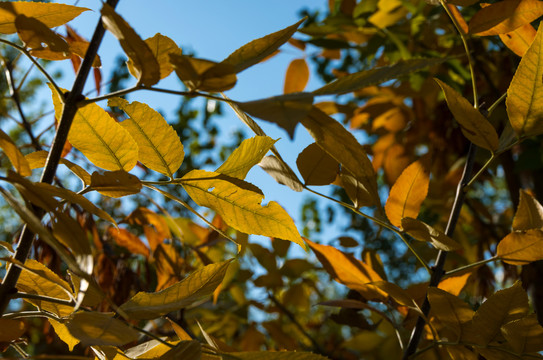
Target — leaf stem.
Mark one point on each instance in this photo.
(472, 265)
(496, 104)
(481, 170)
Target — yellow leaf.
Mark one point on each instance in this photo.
(161, 46)
(147, 69)
(499, 309)
(524, 335)
(388, 13)
(169, 266)
(115, 183)
(521, 248)
(257, 50)
(159, 146)
(281, 172)
(11, 330)
(525, 94)
(529, 214)
(505, 16)
(454, 284)
(205, 75)
(408, 193)
(37, 160)
(347, 270)
(449, 309)
(473, 124)
(14, 155)
(424, 232)
(240, 208)
(52, 15)
(92, 328)
(128, 240)
(316, 166)
(34, 33)
(62, 332)
(339, 143)
(520, 39)
(248, 154)
(296, 77)
(198, 285)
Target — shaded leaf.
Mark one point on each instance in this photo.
(92, 328)
(269, 355)
(388, 13)
(520, 39)
(37, 160)
(504, 16)
(524, 335)
(11, 329)
(169, 266)
(281, 172)
(240, 208)
(190, 349)
(115, 183)
(14, 155)
(424, 232)
(52, 15)
(159, 146)
(248, 154)
(529, 214)
(161, 46)
(333, 138)
(33, 33)
(204, 75)
(257, 50)
(62, 332)
(395, 292)
(128, 240)
(147, 69)
(525, 94)
(375, 76)
(316, 166)
(284, 110)
(6, 246)
(296, 77)
(199, 284)
(408, 193)
(521, 248)
(473, 124)
(449, 309)
(356, 191)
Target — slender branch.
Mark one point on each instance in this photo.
(111, 95)
(29, 314)
(469, 266)
(481, 170)
(496, 103)
(22, 295)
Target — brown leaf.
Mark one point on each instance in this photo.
(281, 172)
(128, 240)
(115, 183)
(521, 247)
(316, 166)
(529, 214)
(205, 75)
(505, 16)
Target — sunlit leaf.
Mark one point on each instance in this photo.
(316, 166)
(147, 69)
(248, 154)
(388, 13)
(296, 77)
(454, 284)
(255, 51)
(499, 309)
(408, 193)
(524, 335)
(33, 33)
(424, 232)
(521, 248)
(14, 155)
(529, 214)
(473, 124)
(51, 14)
(375, 76)
(11, 330)
(240, 208)
(159, 146)
(449, 309)
(281, 172)
(115, 183)
(128, 240)
(204, 75)
(161, 46)
(198, 285)
(62, 332)
(504, 16)
(93, 328)
(525, 94)
(520, 39)
(339, 143)
(37, 160)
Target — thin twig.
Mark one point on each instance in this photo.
(22, 295)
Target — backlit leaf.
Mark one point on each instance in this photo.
(499, 309)
(159, 146)
(33, 33)
(521, 248)
(529, 214)
(198, 285)
(454, 284)
(147, 69)
(204, 75)
(524, 335)
(316, 166)
(504, 16)
(14, 155)
(255, 51)
(281, 172)
(424, 232)
(161, 46)
(473, 124)
(408, 193)
(93, 328)
(169, 266)
(11, 330)
(50, 14)
(240, 208)
(449, 309)
(525, 94)
(37, 160)
(115, 183)
(128, 240)
(388, 13)
(284, 110)
(375, 76)
(296, 77)
(520, 39)
(248, 154)
(62, 332)
(339, 143)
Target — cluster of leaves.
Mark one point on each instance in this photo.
(101, 288)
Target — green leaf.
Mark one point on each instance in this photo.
(52, 15)
(316, 166)
(37, 160)
(161, 46)
(424, 232)
(333, 138)
(255, 51)
(92, 328)
(147, 69)
(450, 310)
(473, 124)
(375, 76)
(521, 248)
(159, 146)
(240, 208)
(115, 183)
(14, 155)
(529, 214)
(198, 285)
(281, 172)
(248, 154)
(525, 94)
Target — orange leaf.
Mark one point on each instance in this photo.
(296, 77)
(519, 40)
(128, 240)
(505, 16)
(454, 284)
